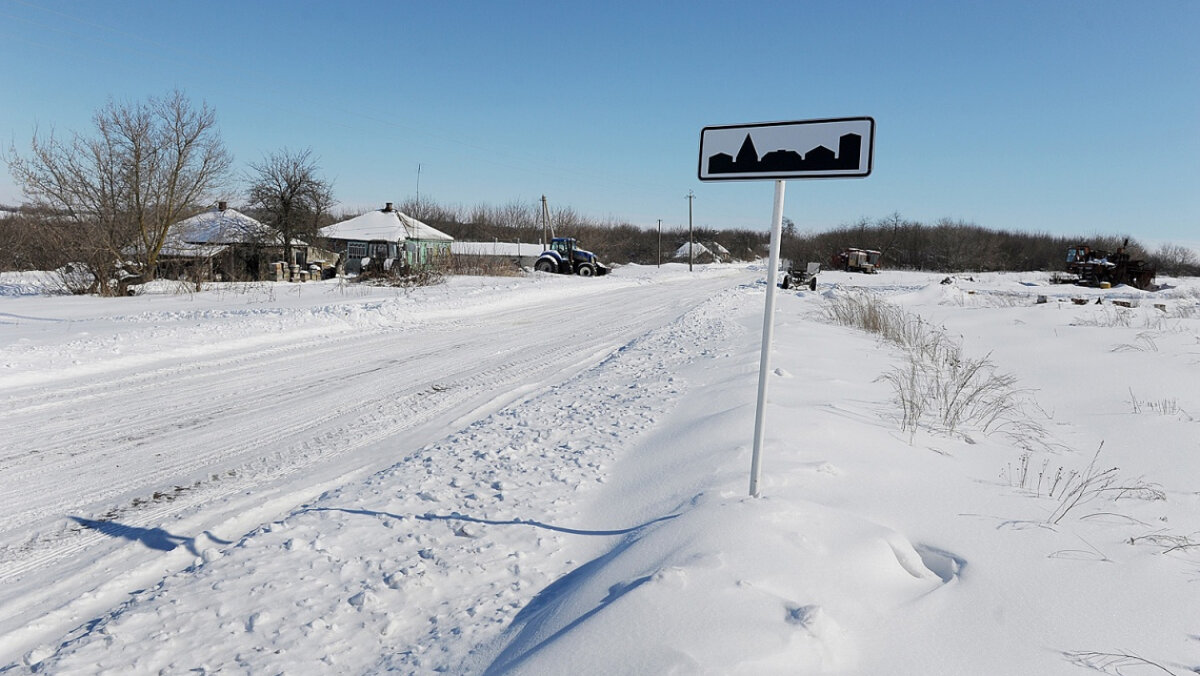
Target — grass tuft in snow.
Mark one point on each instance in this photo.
(1080, 488)
(403, 278)
(484, 266)
(1023, 477)
(1165, 406)
(1167, 541)
(939, 388)
(1144, 343)
(1106, 317)
(1117, 663)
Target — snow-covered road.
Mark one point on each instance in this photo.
(235, 417)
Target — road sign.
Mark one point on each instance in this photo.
(835, 148)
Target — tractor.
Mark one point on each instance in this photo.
(857, 260)
(566, 258)
(1093, 267)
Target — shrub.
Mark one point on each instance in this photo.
(403, 277)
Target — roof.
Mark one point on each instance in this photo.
(223, 226)
(390, 226)
(698, 249)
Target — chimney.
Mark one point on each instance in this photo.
(222, 206)
(387, 207)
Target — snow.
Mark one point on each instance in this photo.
(222, 226)
(390, 226)
(523, 476)
(693, 249)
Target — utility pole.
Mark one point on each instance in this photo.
(690, 198)
(545, 223)
(660, 242)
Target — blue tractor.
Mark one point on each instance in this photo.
(565, 258)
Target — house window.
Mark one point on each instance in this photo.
(356, 250)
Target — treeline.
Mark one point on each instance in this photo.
(612, 240)
(945, 246)
(958, 246)
(34, 238)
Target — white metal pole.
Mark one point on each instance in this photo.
(764, 363)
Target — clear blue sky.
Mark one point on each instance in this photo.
(1068, 116)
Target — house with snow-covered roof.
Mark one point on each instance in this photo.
(698, 252)
(222, 243)
(712, 252)
(386, 236)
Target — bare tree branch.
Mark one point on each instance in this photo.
(288, 193)
(122, 189)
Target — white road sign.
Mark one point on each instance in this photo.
(836, 148)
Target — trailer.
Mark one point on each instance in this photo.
(866, 261)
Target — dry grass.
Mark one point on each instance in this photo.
(938, 387)
(1078, 488)
(482, 266)
(1107, 317)
(1117, 663)
(403, 278)
(1167, 541)
(1143, 343)
(1165, 406)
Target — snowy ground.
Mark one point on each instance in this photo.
(548, 475)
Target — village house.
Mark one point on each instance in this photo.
(702, 253)
(387, 237)
(223, 244)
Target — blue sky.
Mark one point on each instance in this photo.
(1069, 117)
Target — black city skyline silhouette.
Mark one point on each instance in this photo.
(819, 158)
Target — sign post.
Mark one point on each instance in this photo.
(801, 149)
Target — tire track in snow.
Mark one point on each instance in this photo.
(333, 432)
(357, 423)
(432, 558)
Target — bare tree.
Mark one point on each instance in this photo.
(147, 165)
(288, 193)
(1176, 259)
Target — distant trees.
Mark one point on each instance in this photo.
(287, 192)
(115, 193)
(950, 245)
(612, 240)
(27, 240)
(1176, 260)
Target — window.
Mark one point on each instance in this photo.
(356, 250)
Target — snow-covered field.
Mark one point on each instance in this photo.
(548, 475)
